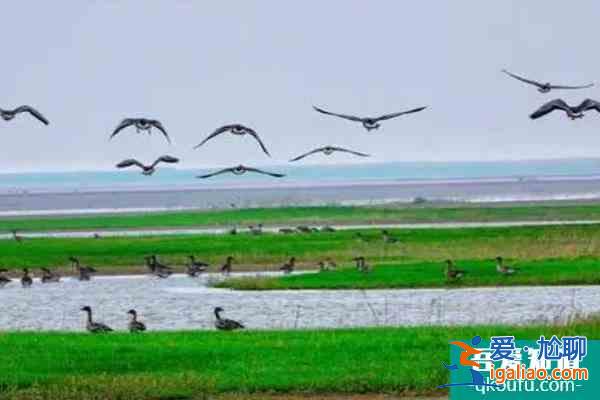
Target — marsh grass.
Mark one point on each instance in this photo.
(268, 251)
(181, 365)
(311, 215)
(582, 271)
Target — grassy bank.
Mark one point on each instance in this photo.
(310, 215)
(179, 365)
(426, 274)
(270, 250)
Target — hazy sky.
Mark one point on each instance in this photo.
(198, 65)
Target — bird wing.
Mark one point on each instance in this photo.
(33, 112)
(587, 104)
(129, 162)
(307, 154)
(394, 115)
(252, 133)
(122, 125)
(158, 125)
(217, 132)
(357, 153)
(350, 117)
(520, 78)
(589, 85)
(556, 104)
(260, 171)
(215, 173)
(166, 159)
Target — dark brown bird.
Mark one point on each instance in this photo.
(7, 115)
(227, 267)
(241, 170)
(141, 125)
(370, 123)
(451, 272)
(328, 150)
(289, 266)
(147, 169)
(236, 130)
(544, 87)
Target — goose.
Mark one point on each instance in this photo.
(328, 150)
(362, 237)
(322, 266)
(7, 115)
(94, 327)
(49, 276)
(289, 266)
(97, 236)
(451, 272)
(147, 169)
(370, 123)
(226, 268)
(236, 130)
(156, 268)
(240, 170)
(304, 229)
(3, 279)
(557, 104)
(504, 269)
(387, 238)
(26, 280)
(328, 228)
(286, 231)
(327, 265)
(195, 268)
(544, 87)
(256, 230)
(141, 124)
(232, 231)
(134, 325)
(362, 265)
(16, 236)
(85, 273)
(224, 324)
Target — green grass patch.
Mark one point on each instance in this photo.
(326, 361)
(311, 215)
(582, 271)
(270, 250)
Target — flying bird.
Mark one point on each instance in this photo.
(7, 115)
(238, 130)
(370, 122)
(558, 104)
(141, 124)
(545, 87)
(328, 150)
(240, 170)
(147, 169)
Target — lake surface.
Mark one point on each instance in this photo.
(180, 303)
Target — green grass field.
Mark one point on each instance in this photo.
(181, 365)
(312, 215)
(426, 274)
(269, 251)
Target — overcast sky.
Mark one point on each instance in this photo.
(198, 65)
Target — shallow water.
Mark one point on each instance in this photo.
(183, 303)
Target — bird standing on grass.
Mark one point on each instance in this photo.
(195, 268)
(16, 236)
(451, 272)
(94, 327)
(49, 276)
(3, 279)
(226, 268)
(361, 264)
(503, 268)
(26, 280)
(134, 325)
(387, 238)
(289, 266)
(224, 324)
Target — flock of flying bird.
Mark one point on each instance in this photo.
(195, 267)
(369, 123)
